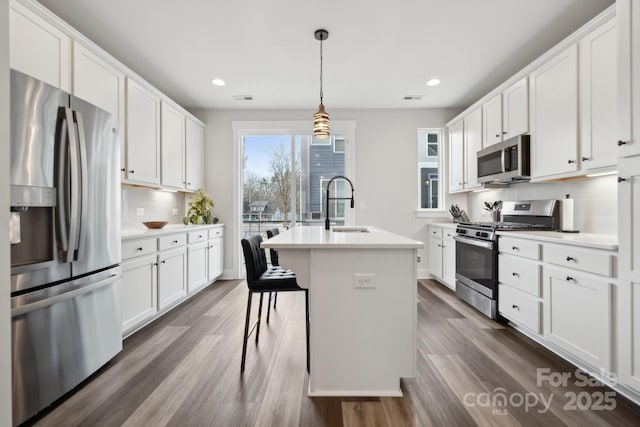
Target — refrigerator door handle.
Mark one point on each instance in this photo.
(74, 196)
(45, 302)
(62, 215)
(84, 185)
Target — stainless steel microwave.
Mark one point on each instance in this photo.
(505, 162)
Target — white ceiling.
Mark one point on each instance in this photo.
(378, 51)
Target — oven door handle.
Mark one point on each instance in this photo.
(480, 243)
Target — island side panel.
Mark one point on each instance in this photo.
(363, 340)
(299, 261)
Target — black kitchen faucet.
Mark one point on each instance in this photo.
(327, 223)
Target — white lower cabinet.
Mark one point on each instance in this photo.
(139, 291)
(172, 276)
(160, 272)
(519, 307)
(214, 259)
(562, 293)
(198, 258)
(577, 315)
(442, 254)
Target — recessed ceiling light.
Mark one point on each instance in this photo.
(218, 82)
(433, 82)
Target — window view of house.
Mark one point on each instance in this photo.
(285, 179)
(429, 168)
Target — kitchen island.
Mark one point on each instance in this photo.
(362, 286)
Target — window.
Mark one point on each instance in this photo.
(338, 144)
(430, 169)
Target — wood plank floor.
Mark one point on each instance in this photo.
(184, 370)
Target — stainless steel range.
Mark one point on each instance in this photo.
(477, 250)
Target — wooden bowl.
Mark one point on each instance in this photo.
(155, 224)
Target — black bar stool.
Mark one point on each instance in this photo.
(261, 279)
(275, 263)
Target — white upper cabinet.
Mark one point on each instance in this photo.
(194, 155)
(628, 308)
(37, 48)
(173, 147)
(97, 81)
(598, 101)
(515, 109)
(143, 134)
(492, 121)
(554, 115)
(472, 144)
(628, 19)
(507, 114)
(456, 156)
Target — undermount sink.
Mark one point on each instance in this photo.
(349, 229)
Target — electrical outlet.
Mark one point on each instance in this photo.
(174, 211)
(139, 211)
(364, 280)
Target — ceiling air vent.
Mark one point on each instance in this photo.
(243, 97)
(412, 97)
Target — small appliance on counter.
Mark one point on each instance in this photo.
(566, 217)
(458, 214)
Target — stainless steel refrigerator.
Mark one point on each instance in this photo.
(65, 242)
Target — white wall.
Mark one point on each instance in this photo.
(158, 206)
(595, 201)
(386, 165)
(5, 316)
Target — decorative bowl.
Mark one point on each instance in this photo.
(155, 224)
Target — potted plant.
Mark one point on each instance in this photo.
(199, 209)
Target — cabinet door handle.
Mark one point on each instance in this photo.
(504, 132)
(570, 258)
(132, 171)
(175, 241)
(515, 306)
(621, 179)
(570, 279)
(571, 161)
(621, 142)
(139, 248)
(123, 170)
(515, 248)
(498, 136)
(155, 264)
(584, 159)
(515, 274)
(163, 261)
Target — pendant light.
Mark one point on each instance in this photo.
(321, 118)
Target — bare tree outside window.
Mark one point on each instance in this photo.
(283, 178)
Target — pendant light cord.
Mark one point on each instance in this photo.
(321, 91)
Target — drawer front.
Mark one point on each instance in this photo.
(520, 273)
(435, 232)
(520, 247)
(216, 232)
(135, 248)
(198, 236)
(172, 241)
(582, 259)
(519, 307)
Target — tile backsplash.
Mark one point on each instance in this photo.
(595, 204)
(157, 205)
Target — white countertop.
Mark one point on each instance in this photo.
(451, 225)
(135, 233)
(590, 240)
(304, 237)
